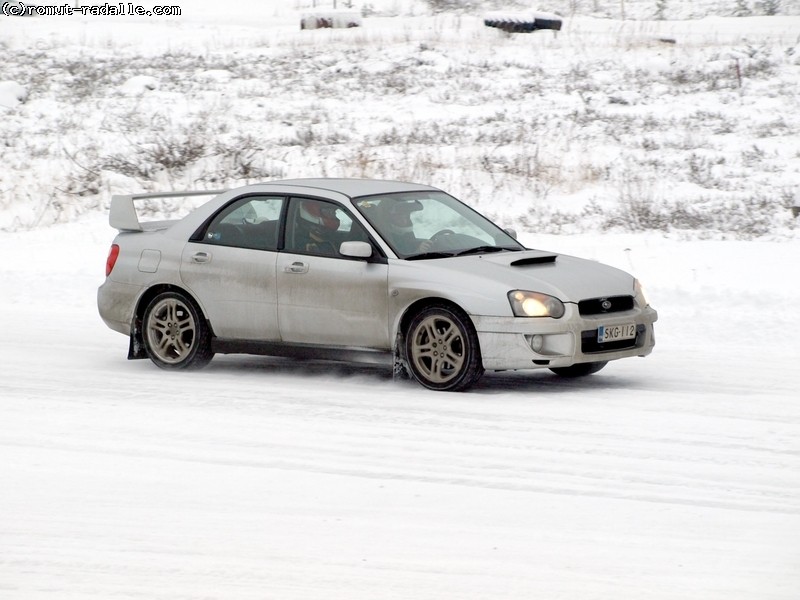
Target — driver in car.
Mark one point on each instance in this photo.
(400, 228)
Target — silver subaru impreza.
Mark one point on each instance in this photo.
(359, 270)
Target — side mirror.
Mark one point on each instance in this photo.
(511, 232)
(356, 249)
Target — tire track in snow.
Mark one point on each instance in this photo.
(466, 447)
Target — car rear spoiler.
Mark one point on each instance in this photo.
(123, 216)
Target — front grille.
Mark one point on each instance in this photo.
(602, 306)
(589, 343)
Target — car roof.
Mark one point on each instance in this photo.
(353, 188)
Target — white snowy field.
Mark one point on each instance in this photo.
(641, 125)
(674, 476)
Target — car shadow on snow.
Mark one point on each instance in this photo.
(492, 382)
(298, 367)
(542, 381)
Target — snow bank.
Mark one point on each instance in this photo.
(12, 94)
(138, 85)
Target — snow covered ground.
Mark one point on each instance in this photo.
(672, 477)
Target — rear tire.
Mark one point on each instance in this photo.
(175, 333)
(442, 349)
(579, 370)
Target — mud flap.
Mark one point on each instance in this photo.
(136, 349)
(399, 363)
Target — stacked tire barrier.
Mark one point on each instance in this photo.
(522, 22)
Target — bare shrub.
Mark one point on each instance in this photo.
(84, 178)
(701, 170)
(639, 207)
(544, 219)
(769, 7)
(738, 215)
(85, 78)
(170, 150)
(242, 160)
(440, 6)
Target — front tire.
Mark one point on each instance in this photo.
(176, 335)
(442, 349)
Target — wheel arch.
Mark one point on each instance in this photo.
(402, 359)
(402, 323)
(136, 348)
(423, 303)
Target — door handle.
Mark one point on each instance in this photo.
(297, 267)
(201, 257)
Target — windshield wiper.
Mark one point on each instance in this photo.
(482, 249)
(427, 255)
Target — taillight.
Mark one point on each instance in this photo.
(112, 258)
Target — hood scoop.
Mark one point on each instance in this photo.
(535, 260)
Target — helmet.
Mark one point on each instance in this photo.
(321, 216)
(398, 215)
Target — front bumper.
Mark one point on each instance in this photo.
(508, 343)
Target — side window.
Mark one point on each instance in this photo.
(319, 227)
(250, 222)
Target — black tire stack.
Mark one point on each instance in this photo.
(523, 24)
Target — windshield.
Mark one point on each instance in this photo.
(432, 225)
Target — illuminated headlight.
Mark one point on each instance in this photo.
(534, 304)
(641, 297)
